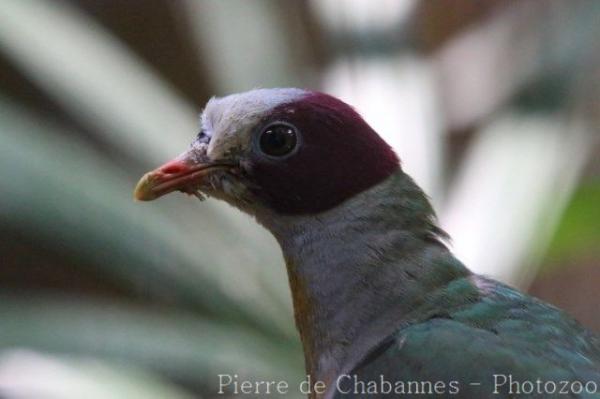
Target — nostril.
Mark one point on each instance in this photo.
(174, 167)
(203, 137)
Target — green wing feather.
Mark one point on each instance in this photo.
(472, 346)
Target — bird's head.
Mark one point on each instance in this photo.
(285, 151)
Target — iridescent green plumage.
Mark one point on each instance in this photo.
(491, 341)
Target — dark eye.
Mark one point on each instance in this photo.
(278, 140)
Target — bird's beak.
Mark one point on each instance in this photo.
(180, 174)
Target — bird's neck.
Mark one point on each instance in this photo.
(357, 268)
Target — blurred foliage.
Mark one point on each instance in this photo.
(578, 233)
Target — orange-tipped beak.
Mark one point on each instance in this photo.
(172, 176)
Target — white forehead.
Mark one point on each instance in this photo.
(241, 107)
(228, 120)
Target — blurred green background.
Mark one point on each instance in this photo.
(493, 106)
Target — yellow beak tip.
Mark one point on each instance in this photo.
(143, 189)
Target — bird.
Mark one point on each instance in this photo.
(382, 306)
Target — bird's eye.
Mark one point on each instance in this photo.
(278, 140)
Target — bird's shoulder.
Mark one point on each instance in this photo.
(501, 332)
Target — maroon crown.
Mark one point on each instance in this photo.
(340, 155)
